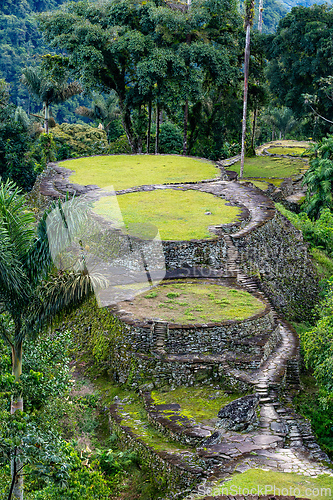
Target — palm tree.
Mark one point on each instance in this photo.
(48, 89)
(105, 110)
(32, 292)
(249, 14)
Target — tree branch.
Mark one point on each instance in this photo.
(315, 112)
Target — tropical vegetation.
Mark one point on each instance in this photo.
(120, 77)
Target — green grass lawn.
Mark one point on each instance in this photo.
(200, 403)
(287, 151)
(125, 171)
(187, 302)
(266, 167)
(315, 488)
(179, 215)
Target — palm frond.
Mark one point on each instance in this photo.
(39, 260)
(58, 296)
(15, 219)
(31, 78)
(14, 282)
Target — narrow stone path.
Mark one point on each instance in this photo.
(282, 441)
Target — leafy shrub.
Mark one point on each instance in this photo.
(318, 233)
(318, 407)
(120, 146)
(208, 148)
(113, 461)
(85, 480)
(74, 140)
(16, 162)
(171, 140)
(98, 336)
(46, 371)
(47, 148)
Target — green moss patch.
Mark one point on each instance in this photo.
(259, 184)
(287, 151)
(286, 484)
(125, 171)
(199, 403)
(265, 167)
(134, 415)
(178, 215)
(192, 302)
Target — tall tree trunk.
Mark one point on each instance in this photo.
(16, 404)
(149, 127)
(248, 23)
(188, 41)
(254, 128)
(185, 128)
(246, 84)
(261, 8)
(139, 130)
(127, 124)
(46, 117)
(157, 137)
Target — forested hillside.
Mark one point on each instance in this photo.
(21, 43)
(289, 4)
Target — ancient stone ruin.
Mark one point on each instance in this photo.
(264, 255)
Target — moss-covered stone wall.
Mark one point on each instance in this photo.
(277, 256)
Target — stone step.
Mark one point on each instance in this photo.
(265, 400)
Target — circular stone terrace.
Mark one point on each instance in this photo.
(187, 302)
(185, 199)
(200, 316)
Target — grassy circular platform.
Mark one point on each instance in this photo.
(267, 167)
(290, 151)
(125, 171)
(187, 302)
(179, 215)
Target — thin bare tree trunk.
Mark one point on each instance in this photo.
(16, 404)
(149, 127)
(188, 41)
(157, 137)
(46, 117)
(127, 124)
(246, 84)
(261, 8)
(185, 128)
(254, 128)
(139, 131)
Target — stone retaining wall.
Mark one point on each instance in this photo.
(159, 465)
(277, 256)
(247, 336)
(195, 253)
(154, 370)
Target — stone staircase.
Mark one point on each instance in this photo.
(160, 332)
